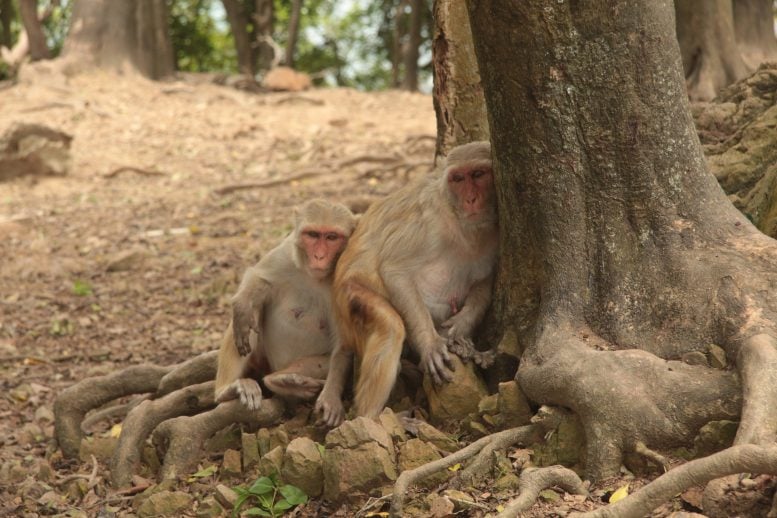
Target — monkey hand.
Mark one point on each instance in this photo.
(330, 406)
(245, 318)
(459, 327)
(249, 392)
(436, 361)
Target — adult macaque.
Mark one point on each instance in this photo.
(419, 267)
(282, 328)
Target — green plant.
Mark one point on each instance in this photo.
(270, 498)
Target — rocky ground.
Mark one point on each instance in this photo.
(172, 190)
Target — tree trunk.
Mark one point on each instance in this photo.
(6, 17)
(291, 43)
(711, 59)
(620, 252)
(28, 9)
(398, 34)
(458, 94)
(264, 24)
(131, 35)
(238, 22)
(412, 47)
(754, 29)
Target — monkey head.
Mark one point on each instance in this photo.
(469, 182)
(321, 232)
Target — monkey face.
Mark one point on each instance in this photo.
(472, 188)
(322, 247)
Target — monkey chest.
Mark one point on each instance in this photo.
(297, 327)
(444, 285)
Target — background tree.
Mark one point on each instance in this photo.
(199, 44)
(7, 14)
(411, 49)
(711, 59)
(620, 253)
(128, 35)
(28, 9)
(292, 32)
(239, 23)
(754, 30)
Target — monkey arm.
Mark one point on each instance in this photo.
(419, 326)
(462, 324)
(329, 403)
(248, 306)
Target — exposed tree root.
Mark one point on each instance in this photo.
(199, 369)
(183, 437)
(132, 169)
(534, 480)
(522, 434)
(142, 420)
(110, 412)
(73, 403)
(736, 459)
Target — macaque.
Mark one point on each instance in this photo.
(419, 267)
(282, 327)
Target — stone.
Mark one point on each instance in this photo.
(695, 358)
(354, 433)
(165, 503)
(716, 356)
(34, 149)
(391, 423)
(209, 508)
(461, 500)
(303, 466)
(508, 482)
(415, 453)
(44, 415)
(101, 447)
(565, 445)
(442, 441)
(514, 409)
(440, 506)
(455, 401)
(126, 260)
(286, 79)
(488, 405)
(230, 466)
(249, 446)
(714, 436)
(272, 462)
(263, 441)
(548, 495)
(225, 496)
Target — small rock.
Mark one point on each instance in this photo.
(354, 433)
(101, 447)
(510, 482)
(392, 424)
(549, 495)
(250, 449)
(695, 358)
(416, 452)
(429, 433)
(51, 500)
(126, 260)
(477, 428)
(717, 356)
(272, 462)
(455, 401)
(263, 441)
(488, 405)
(303, 466)
(286, 79)
(165, 503)
(714, 436)
(231, 464)
(45, 472)
(683, 514)
(209, 508)
(461, 500)
(30, 433)
(44, 415)
(440, 506)
(225, 496)
(514, 409)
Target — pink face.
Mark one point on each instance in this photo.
(473, 188)
(322, 247)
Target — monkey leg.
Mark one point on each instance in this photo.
(303, 378)
(380, 358)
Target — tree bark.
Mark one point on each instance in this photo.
(754, 30)
(711, 59)
(28, 9)
(620, 252)
(412, 48)
(398, 34)
(131, 35)
(291, 43)
(458, 95)
(6, 17)
(238, 22)
(264, 24)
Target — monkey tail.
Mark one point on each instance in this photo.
(381, 335)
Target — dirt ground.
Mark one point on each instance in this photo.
(64, 316)
(132, 256)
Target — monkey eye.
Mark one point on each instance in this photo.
(313, 234)
(457, 177)
(332, 236)
(477, 173)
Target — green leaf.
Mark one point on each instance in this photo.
(266, 500)
(238, 504)
(256, 511)
(82, 288)
(262, 486)
(282, 505)
(205, 472)
(241, 491)
(293, 494)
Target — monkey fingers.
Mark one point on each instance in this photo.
(331, 409)
(249, 392)
(437, 363)
(241, 329)
(293, 384)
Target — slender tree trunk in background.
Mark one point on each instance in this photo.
(238, 22)
(291, 43)
(412, 47)
(711, 59)
(398, 31)
(458, 95)
(131, 35)
(754, 29)
(28, 9)
(620, 253)
(6, 17)
(264, 24)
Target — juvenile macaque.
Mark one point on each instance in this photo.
(282, 328)
(419, 267)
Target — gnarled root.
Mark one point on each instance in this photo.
(142, 420)
(522, 434)
(184, 436)
(736, 459)
(73, 403)
(534, 480)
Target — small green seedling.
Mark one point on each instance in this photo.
(269, 498)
